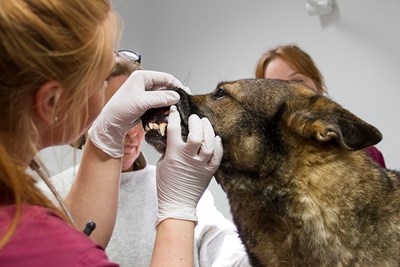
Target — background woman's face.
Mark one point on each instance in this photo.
(279, 69)
(132, 146)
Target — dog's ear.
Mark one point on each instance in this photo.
(326, 122)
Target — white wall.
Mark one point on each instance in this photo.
(204, 42)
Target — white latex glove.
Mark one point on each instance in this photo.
(131, 101)
(186, 169)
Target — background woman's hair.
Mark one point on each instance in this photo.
(43, 40)
(123, 66)
(297, 59)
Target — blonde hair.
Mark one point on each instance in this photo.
(123, 66)
(43, 40)
(297, 59)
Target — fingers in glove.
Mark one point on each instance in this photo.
(158, 99)
(207, 146)
(195, 137)
(155, 80)
(216, 157)
(174, 136)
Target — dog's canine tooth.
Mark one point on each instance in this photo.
(147, 128)
(162, 125)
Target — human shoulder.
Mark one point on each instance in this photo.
(45, 237)
(376, 155)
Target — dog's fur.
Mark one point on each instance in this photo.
(302, 192)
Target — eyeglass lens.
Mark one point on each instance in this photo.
(129, 55)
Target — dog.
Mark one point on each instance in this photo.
(301, 190)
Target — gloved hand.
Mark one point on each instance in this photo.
(186, 169)
(124, 109)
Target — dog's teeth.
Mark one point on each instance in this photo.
(162, 125)
(153, 126)
(147, 128)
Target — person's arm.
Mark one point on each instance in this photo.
(183, 175)
(94, 194)
(174, 243)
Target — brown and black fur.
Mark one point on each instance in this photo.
(301, 190)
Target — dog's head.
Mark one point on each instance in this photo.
(260, 121)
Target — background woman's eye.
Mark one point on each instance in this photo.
(220, 93)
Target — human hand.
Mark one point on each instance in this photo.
(186, 169)
(138, 94)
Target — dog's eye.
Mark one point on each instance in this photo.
(220, 93)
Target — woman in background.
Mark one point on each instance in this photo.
(289, 62)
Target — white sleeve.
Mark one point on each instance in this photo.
(217, 241)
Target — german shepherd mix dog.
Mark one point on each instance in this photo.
(302, 192)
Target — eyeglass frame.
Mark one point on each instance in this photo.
(124, 53)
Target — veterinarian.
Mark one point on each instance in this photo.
(131, 244)
(290, 62)
(55, 58)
